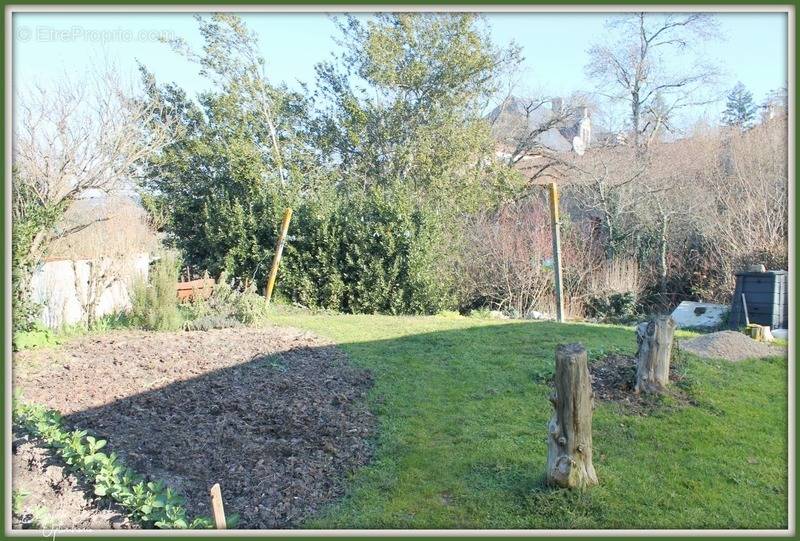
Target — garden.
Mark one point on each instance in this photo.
(444, 347)
(411, 422)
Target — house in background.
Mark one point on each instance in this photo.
(548, 124)
(103, 244)
(535, 135)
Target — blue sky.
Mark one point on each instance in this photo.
(554, 44)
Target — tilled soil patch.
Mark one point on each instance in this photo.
(614, 380)
(49, 498)
(731, 346)
(276, 416)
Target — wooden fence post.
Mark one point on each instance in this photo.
(569, 445)
(276, 260)
(555, 226)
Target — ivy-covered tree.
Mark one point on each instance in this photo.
(740, 110)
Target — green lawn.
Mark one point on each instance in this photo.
(462, 408)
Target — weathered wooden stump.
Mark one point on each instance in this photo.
(569, 446)
(757, 332)
(655, 350)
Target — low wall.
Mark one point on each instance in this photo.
(60, 285)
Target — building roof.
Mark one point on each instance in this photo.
(560, 127)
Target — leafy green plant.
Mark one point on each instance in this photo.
(37, 336)
(151, 503)
(154, 301)
(18, 500)
(33, 218)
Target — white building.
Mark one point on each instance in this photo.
(105, 245)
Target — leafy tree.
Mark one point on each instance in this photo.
(221, 192)
(740, 110)
(405, 103)
(396, 149)
(238, 159)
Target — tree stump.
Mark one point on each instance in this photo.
(756, 332)
(569, 446)
(655, 350)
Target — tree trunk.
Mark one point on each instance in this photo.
(569, 446)
(652, 358)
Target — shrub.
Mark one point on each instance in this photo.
(613, 308)
(155, 301)
(206, 323)
(507, 261)
(246, 306)
(375, 251)
(227, 307)
(614, 292)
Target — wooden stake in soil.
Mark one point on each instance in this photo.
(217, 508)
(569, 445)
(655, 350)
(273, 273)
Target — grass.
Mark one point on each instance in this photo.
(462, 408)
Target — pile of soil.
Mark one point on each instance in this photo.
(52, 499)
(614, 380)
(730, 346)
(276, 416)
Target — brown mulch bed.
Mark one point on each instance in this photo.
(614, 379)
(277, 416)
(49, 498)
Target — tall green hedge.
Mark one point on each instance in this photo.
(373, 251)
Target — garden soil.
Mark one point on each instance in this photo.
(730, 346)
(614, 380)
(276, 416)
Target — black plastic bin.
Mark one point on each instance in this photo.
(767, 296)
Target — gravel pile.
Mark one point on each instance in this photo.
(730, 346)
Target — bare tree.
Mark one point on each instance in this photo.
(104, 252)
(605, 186)
(635, 69)
(506, 260)
(747, 185)
(522, 126)
(72, 137)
